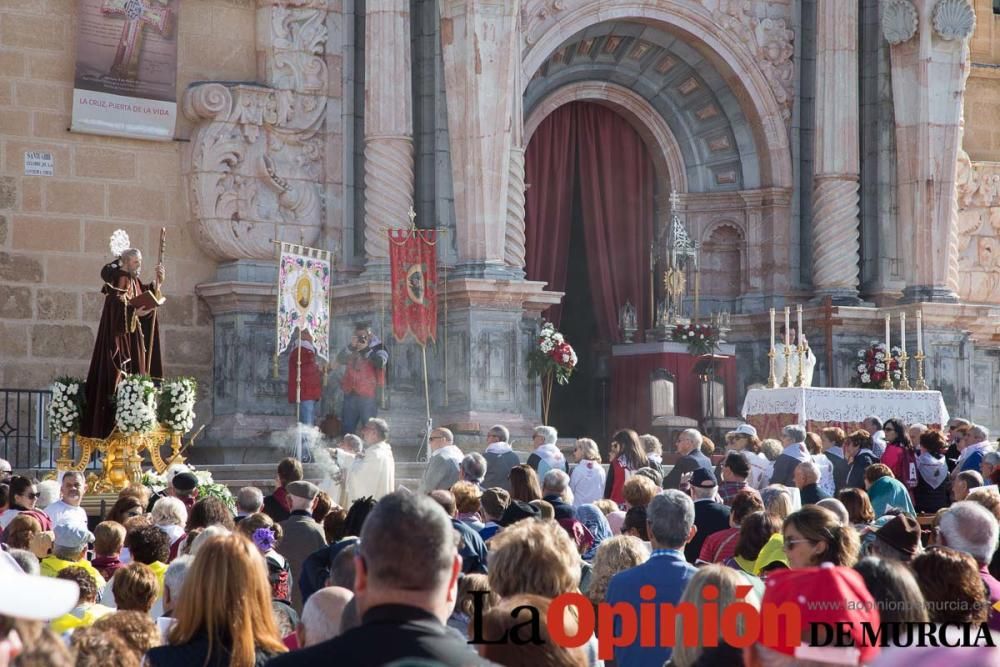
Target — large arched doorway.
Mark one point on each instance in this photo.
(590, 217)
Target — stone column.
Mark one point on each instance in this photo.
(836, 229)
(514, 251)
(929, 51)
(480, 45)
(388, 125)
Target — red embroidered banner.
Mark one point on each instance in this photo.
(413, 260)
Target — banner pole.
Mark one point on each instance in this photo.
(298, 399)
(427, 405)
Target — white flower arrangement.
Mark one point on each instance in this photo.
(135, 401)
(177, 399)
(66, 408)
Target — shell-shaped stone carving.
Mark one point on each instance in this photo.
(954, 19)
(899, 21)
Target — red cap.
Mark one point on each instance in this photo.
(825, 594)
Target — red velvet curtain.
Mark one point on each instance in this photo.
(589, 145)
(616, 187)
(550, 171)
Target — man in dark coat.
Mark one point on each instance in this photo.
(860, 458)
(301, 535)
(710, 516)
(277, 505)
(124, 338)
(807, 481)
(403, 607)
(689, 447)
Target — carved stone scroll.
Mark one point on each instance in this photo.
(255, 165)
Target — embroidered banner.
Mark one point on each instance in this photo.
(413, 261)
(304, 297)
(126, 68)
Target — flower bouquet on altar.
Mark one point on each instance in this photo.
(135, 401)
(553, 360)
(176, 404)
(66, 408)
(875, 364)
(700, 338)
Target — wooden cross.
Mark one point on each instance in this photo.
(138, 14)
(828, 323)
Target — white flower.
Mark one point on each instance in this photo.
(861, 354)
(879, 368)
(558, 338)
(565, 358)
(880, 355)
(690, 334)
(866, 378)
(861, 368)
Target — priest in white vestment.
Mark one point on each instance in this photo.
(793, 361)
(338, 466)
(373, 472)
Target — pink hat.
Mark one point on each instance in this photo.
(615, 520)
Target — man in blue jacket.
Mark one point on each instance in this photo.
(670, 522)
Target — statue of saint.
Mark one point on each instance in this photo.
(127, 342)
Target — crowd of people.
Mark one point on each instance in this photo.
(890, 524)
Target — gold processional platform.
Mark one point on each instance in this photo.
(121, 456)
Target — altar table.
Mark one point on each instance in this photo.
(631, 369)
(770, 410)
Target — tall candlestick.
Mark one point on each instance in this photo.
(798, 312)
(886, 333)
(902, 332)
(772, 328)
(920, 332)
(788, 326)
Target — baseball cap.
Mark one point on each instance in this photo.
(72, 535)
(33, 597)
(302, 489)
(835, 596)
(746, 429)
(703, 478)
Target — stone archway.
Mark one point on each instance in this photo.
(659, 139)
(727, 41)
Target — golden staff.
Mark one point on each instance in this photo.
(156, 291)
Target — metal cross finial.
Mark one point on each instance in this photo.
(412, 215)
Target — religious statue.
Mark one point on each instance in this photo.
(793, 361)
(127, 341)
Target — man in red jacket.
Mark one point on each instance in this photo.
(364, 360)
(312, 383)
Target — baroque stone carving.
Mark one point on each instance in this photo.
(899, 21)
(978, 201)
(954, 19)
(256, 160)
(534, 16)
(771, 43)
(514, 248)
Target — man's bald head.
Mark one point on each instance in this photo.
(441, 437)
(321, 616)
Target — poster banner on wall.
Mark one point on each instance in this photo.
(126, 68)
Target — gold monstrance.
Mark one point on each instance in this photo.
(680, 256)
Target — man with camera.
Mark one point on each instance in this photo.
(364, 360)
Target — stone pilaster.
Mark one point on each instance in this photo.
(388, 125)
(479, 41)
(836, 230)
(930, 47)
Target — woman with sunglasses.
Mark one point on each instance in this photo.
(814, 535)
(23, 496)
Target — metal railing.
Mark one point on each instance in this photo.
(25, 440)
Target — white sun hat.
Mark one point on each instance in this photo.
(33, 597)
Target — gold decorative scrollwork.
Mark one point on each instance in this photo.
(121, 456)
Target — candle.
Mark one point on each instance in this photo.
(920, 332)
(798, 312)
(902, 332)
(887, 333)
(772, 329)
(788, 325)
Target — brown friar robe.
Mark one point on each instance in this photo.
(120, 350)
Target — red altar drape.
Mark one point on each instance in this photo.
(631, 404)
(550, 170)
(589, 146)
(616, 186)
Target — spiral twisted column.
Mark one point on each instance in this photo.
(388, 191)
(836, 236)
(835, 224)
(514, 253)
(389, 181)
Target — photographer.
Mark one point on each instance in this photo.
(364, 359)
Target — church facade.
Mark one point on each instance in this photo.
(839, 155)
